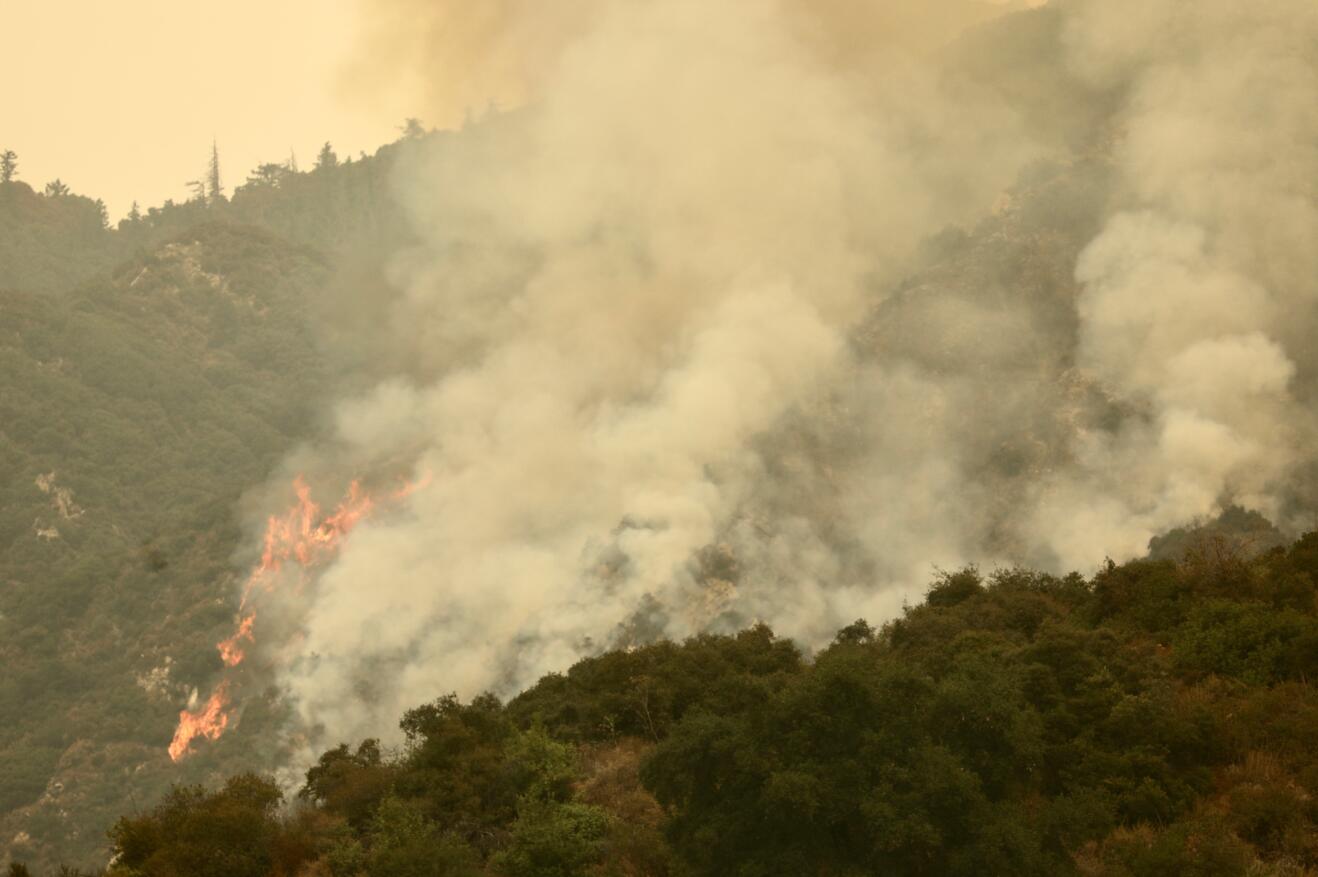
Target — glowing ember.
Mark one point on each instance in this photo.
(209, 722)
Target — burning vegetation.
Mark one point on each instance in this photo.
(299, 541)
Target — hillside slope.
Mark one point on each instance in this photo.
(133, 414)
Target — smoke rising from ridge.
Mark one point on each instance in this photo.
(1195, 289)
(668, 376)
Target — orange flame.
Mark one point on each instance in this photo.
(209, 722)
(300, 535)
(410, 487)
(297, 536)
(231, 650)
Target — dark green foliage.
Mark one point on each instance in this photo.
(1148, 594)
(1152, 721)
(457, 764)
(1195, 848)
(401, 842)
(551, 839)
(642, 692)
(1250, 641)
(348, 783)
(231, 833)
(917, 751)
(859, 764)
(952, 588)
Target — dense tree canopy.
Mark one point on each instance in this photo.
(1156, 719)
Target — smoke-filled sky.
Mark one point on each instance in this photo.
(121, 99)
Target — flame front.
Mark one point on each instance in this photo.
(231, 650)
(300, 536)
(209, 722)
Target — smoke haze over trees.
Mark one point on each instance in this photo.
(712, 267)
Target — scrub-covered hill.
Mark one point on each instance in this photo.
(134, 412)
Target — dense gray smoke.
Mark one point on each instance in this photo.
(667, 376)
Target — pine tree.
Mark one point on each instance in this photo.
(133, 219)
(269, 175)
(8, 166)
(56, 189)
(214, 187)
(327, 158)
(412, 129)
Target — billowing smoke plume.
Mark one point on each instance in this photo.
(1199, 293)
(669, 375)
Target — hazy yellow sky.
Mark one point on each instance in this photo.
(120, 98)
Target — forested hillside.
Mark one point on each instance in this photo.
(149, 375)
(1156, 719)
(133, 413)
(50, 241)
(54, 239)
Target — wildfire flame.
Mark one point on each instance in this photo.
(209, 722)
(231, 651)
(301, 536)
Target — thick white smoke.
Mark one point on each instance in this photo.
(1199, 293)
(632, 287)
